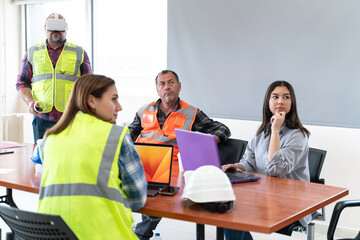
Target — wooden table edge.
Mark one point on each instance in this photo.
(251, 228)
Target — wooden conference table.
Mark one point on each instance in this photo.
(264, 206)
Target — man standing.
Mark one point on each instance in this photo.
(48, 72)
(156, 122)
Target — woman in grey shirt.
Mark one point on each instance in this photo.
(280, 147)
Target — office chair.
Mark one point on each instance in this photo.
(26, 225)
(336, 215)
(316, 160)
(232, 150)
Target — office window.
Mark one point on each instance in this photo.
(130, 43)
(76, 13)
(130, 38)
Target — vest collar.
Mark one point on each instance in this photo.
(157, 103)
(62, 46)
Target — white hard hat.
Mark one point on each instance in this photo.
(208, 184)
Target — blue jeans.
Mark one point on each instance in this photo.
(231, 234)
(144, 229)
(40, 126)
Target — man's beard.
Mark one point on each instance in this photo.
(59, 39)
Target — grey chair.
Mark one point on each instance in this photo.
(232, 150)
(26, 225)
(316, 160)
(336, 215)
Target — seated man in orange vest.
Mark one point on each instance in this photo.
(156, 123)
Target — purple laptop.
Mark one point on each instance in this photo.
(198, 149)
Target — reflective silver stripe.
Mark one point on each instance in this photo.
(33, 49)
(147, 135)
(41, 77)
(189, 113)
(108, 155)
(37, 48)
(79, 56)
(148, 108)
(82, 189)
(162, 138)
(100, 189)
(31, 54)
(67, 77)
(58, 76)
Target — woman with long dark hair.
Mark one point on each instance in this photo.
(280, 147)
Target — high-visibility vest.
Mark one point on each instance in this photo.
(53, 85)
(80, 179)
(182, 118)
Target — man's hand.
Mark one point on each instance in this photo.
(25, 94)
(32, 107)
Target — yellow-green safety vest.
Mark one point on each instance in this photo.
(80, 179)
(53, 85)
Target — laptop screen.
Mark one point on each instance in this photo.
(156, 160)
(197, 149)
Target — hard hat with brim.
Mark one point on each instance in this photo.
(208, 184)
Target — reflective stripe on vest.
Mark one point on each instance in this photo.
(53, 85)
(159, 138)
(152, 133)
(100, 189)
(43, 76)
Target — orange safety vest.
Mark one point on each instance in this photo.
(182, 118)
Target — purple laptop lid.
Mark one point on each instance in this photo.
(197, 149)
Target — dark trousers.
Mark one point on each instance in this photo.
(231, 234)
(40, 126)
(144, 229)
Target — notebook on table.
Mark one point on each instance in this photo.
(198, 149)
(157, 161)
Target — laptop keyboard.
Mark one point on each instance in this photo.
(239, 175)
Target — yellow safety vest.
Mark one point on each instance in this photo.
(80, 179)
(53, 85)
(182, 118)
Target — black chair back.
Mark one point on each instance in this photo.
(31, 225)
(232, 150)
(316, 161)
